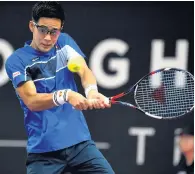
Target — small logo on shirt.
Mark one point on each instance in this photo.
(15, 74)
(34, 59)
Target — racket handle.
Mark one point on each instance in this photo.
(107, 101)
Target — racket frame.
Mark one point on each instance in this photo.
(134, 88)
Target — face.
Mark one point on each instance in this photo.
(45, 33)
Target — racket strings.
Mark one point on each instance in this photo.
(166, 94)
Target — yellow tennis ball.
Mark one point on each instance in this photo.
(74, 67)
(75, 63)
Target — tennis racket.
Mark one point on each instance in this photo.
(164, 94)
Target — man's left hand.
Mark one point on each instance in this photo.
(97, 100)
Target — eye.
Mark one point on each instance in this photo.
(43, 30)
(55, 32)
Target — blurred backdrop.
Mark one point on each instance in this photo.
(123, 41)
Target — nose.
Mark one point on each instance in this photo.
(47, 36)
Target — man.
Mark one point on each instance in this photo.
(58, 136)
(186, 144)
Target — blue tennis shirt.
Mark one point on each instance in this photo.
(58, 127)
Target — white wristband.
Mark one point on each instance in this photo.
(89, 88)
(67, 94)
(60, 97)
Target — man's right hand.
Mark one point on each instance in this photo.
(78, 101)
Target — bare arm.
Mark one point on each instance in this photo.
(42, 101)
(33, 100)
(86, 75)
(187, 147)
(87, 78)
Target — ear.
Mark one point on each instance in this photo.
(31, 26)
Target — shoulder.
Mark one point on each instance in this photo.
(64, 36)
(14, 58)
(65, 39)
(66, 42)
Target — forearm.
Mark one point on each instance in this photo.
(87, 78)
(89, 83)
(40, 101)
(91, 90)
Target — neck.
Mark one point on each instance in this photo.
(32, 45)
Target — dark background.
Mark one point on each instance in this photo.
(137, 24)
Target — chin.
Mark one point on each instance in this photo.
(45, 49)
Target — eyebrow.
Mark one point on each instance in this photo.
(53, 28)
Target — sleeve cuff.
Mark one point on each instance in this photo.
(18, 80)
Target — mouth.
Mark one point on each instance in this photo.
(46, 45)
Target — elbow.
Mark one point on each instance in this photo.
(31, 107)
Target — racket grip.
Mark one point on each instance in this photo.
(107, 101)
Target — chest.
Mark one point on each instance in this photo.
(49, 75)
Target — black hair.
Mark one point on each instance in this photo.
(50, 9)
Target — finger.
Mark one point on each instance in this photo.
(90, 104)
(80, 106)
(103, 103)
(98, 104)
(84, 105)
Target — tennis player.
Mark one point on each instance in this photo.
(58, 135)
